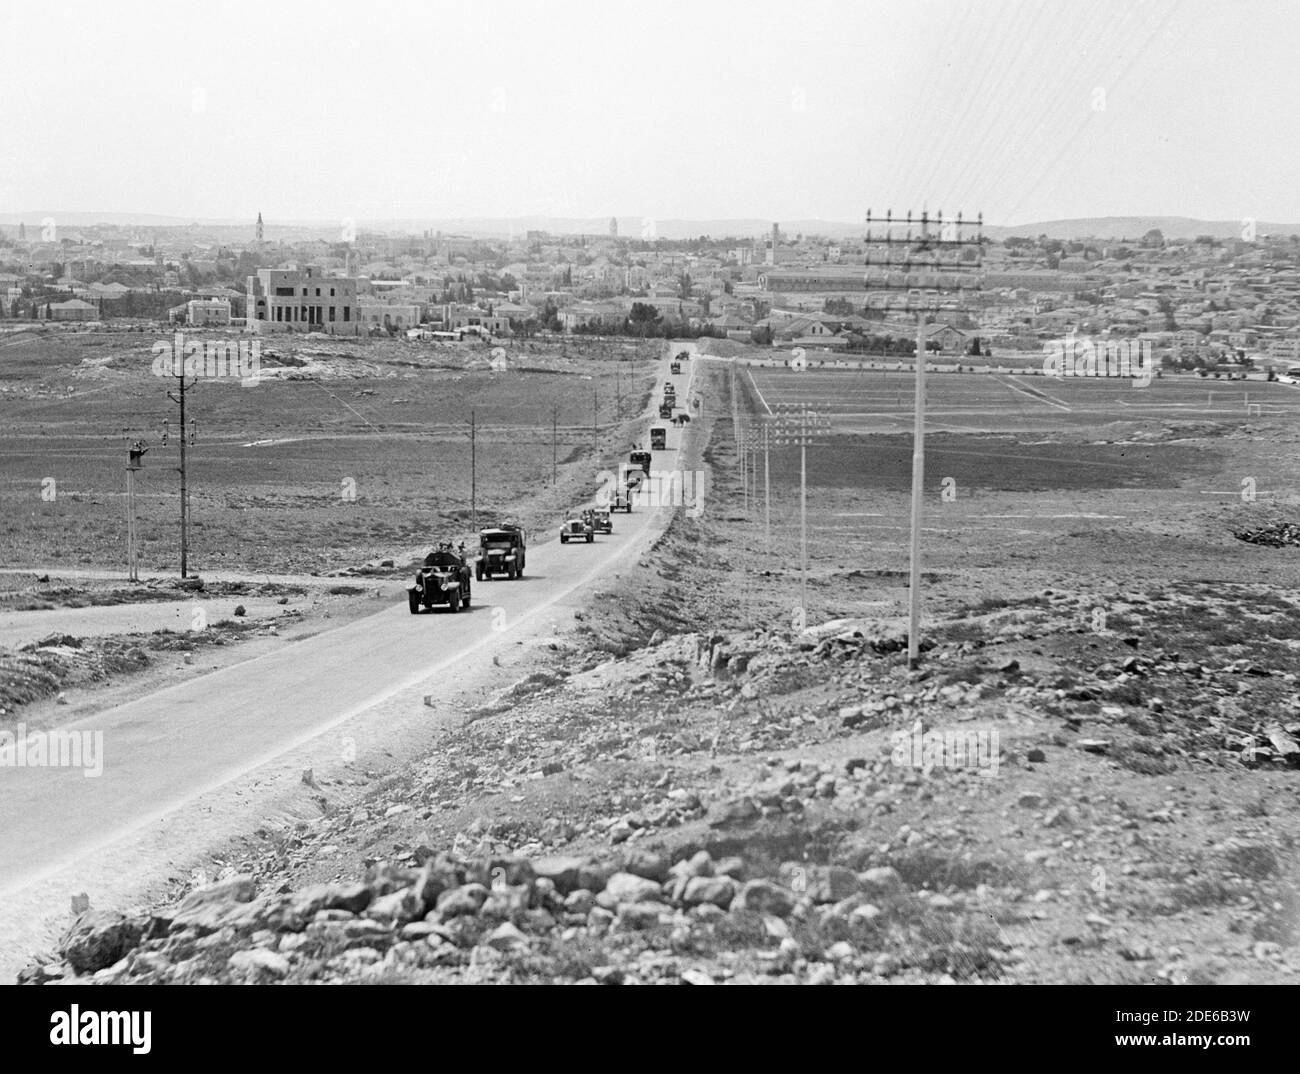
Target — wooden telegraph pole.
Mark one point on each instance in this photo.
(794, 424)
(188, 435)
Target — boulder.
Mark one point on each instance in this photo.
(99, 938)
(764, 897)
(718, 890)
(626, 887)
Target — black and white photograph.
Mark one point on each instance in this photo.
(703, 493)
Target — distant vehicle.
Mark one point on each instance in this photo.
(601, 520)
(444, 579)
(676, 367)
(658, 439)
(665, 410)
(576, 529)
(621, 501)
(502, 550)
(641, 459)
(1291, 376)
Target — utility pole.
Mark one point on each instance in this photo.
(931, 262)
(594, 412)
(795, 424)
(918, 493)
(555, 442)
(473, 469)
(187, 436)
(767, 487)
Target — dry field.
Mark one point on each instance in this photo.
(346, 452)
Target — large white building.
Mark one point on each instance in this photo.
(303, 300)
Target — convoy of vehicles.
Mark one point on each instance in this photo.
(444, 578)
(502, 550)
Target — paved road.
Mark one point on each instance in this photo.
(163, 750)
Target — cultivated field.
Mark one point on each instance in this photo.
(1029, 482)
(874, 401)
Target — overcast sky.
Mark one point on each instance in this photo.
(1024, 109)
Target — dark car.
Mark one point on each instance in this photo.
(444, 579)
(502, 550)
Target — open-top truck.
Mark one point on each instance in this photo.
(641, 460)
(502, 550)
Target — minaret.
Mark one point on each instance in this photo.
(259, 227)
(22, 232)
(613, 227)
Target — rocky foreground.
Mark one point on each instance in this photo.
(786, 807)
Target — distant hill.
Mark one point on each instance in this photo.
(1134, 227)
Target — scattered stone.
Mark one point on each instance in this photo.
(258, 964)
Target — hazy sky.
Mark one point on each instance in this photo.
(1024, 109)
